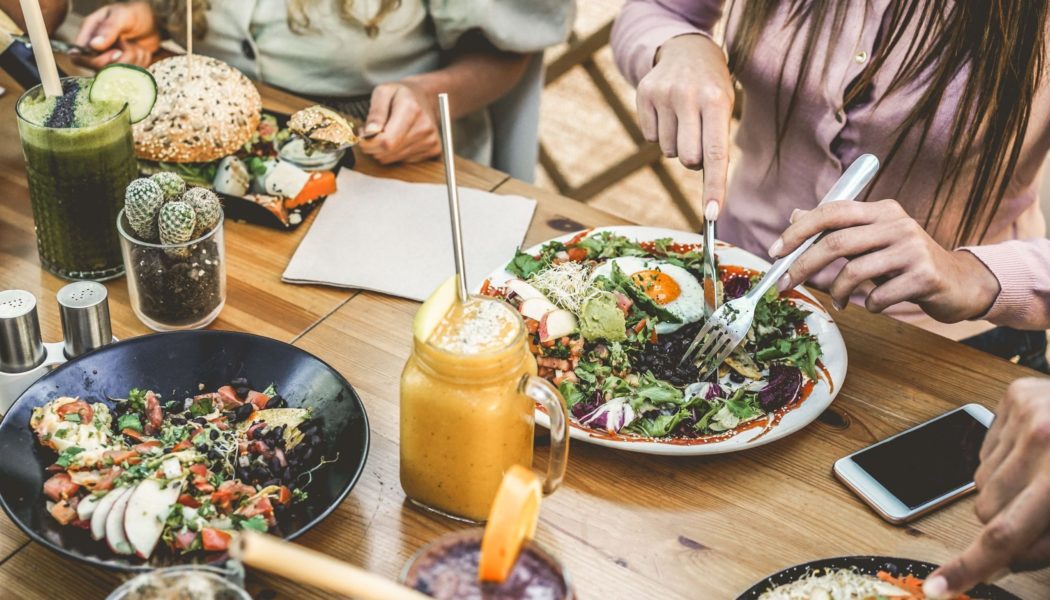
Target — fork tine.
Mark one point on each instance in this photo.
(718, 354)
(702, 340)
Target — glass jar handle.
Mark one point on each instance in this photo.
(546, 395)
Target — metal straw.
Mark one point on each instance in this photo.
(453, 194)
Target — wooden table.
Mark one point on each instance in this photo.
(625, 525)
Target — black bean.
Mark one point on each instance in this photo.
(214, 454)
(230, 415)
(242, 412)
(286, 474)
(200, 420)
(177, 421)
(271, 482)
(736, 377)
(202, 447)
(275, 465)
(276, 402)
(242, 391)
(214, 434)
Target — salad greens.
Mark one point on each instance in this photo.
(636, 386)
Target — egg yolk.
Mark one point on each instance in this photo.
(659, 286)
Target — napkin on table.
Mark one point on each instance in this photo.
(395, 237)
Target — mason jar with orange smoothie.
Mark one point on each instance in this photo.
(468, 395)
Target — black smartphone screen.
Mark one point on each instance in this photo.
(929, 461)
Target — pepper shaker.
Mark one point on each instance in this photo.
(21, 345)
(84, 308)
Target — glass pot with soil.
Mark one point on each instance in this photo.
(172, 242)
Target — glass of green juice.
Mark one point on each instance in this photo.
(79, 159)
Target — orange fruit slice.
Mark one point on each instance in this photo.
(512, 520)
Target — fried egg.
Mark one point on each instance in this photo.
(669, 286)
(55, 431)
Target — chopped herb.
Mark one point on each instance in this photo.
(65, 458)
(129, 421)
(73, 418)
(202, 406)
(256, 523)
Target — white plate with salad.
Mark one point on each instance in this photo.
(610, 311)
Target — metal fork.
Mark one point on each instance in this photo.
(728, 326)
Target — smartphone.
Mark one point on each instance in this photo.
(916, 471)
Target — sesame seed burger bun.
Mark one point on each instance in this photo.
(198, 119)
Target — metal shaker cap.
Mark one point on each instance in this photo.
(84, 307)
(21, 345)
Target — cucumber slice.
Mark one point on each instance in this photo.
(126, 83)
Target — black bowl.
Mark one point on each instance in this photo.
(173, 365)
(869, 565)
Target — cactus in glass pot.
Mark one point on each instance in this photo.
(142, 201)
(206, 208)
(170, 183)
(175, 223)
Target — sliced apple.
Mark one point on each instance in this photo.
(86, 507)
(536, 308)
(147, 510)
(434, 309)
(557, 323)
(115, 537)
(98, 518)
(523, 289)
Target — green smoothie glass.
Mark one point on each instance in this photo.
(77, 176)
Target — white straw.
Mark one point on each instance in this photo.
(453, 194)
(45, 60)
(189, 41)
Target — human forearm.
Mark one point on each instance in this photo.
(477, 75)
(54, 12)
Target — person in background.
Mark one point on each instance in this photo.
(54, 12)
(1013, 484)
(950, 96)
(383, 62)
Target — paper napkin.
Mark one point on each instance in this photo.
(395, 237)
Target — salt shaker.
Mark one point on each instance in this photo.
(21, 345)
(84, 308)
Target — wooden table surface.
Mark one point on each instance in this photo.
(625, 525)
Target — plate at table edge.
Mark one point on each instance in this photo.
(220, 355)
(819, 322)
(869, 565)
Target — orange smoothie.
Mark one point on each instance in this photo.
(465, 417)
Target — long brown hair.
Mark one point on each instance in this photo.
(1000, 41)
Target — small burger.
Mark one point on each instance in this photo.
(205, 110)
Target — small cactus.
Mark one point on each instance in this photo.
(175, 222)
(206, 207)
(142, 201)
(171, 184)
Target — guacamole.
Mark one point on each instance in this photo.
(601, 319)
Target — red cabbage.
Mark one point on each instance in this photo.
(784, 385)
(736, 286)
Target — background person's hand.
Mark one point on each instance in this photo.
(122, 32)
(884, 244)
(406, 116)
(685, 103)
(1013, 483)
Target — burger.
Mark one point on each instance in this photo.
(205, 110)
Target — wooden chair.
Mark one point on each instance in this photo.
(580, 53)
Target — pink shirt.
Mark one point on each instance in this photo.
(824, 136)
